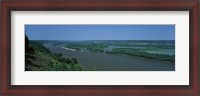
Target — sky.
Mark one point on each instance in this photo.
(100, 32)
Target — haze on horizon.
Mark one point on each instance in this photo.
(100, 32)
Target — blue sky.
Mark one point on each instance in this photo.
(100, 32)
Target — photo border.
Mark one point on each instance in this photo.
(99, 5)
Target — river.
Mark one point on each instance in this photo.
(111, 62)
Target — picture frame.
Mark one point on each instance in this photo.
(100, 5)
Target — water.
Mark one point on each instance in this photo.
(109, 62)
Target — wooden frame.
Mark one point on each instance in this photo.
(98, 5)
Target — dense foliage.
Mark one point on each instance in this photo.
(139, 53)
(39, 58)
(92, 47)
(96, 47)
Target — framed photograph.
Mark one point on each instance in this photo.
(100, 47)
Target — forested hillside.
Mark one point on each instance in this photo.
(39, 58)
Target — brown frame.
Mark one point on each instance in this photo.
(193, 89)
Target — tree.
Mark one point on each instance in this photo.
(26, 42)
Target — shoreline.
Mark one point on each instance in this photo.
(68, 48)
